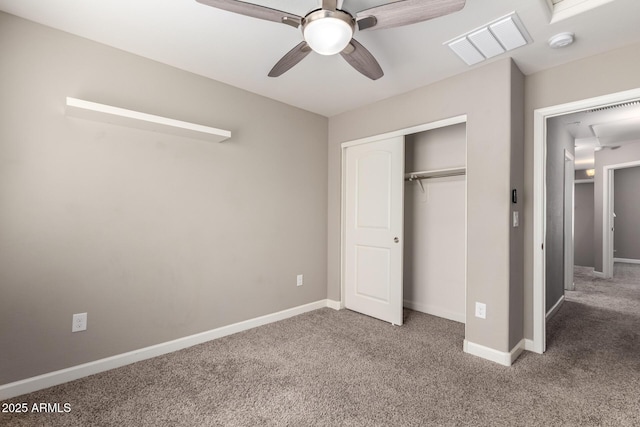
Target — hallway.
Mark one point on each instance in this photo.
(598, 326)
(620, 294)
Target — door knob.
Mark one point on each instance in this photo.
(395, 239)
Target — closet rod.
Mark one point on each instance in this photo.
(415, 176)
(418, 177)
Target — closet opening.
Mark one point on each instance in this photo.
(434, 270)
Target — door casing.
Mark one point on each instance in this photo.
(540, 116)
(607, 215)
(569, 218)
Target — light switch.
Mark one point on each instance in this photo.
(516, 219)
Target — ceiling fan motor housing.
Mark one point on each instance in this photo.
(328, 31)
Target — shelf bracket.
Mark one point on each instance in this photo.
(418, 180)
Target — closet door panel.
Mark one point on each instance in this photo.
(372, 273)
(373, 190)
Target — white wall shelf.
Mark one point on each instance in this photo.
(120, 116)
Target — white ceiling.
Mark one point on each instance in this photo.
(606, 129)
(240, 50)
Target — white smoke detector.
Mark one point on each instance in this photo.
(561, 40)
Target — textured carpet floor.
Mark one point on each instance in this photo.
(339, 368)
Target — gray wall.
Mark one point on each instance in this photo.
(583, 225)
(157, 237)
(558, 140)
(440, 148)
(627, 208)
(598, 75)
(493, 135)
(516, 235)
(582, 174)
(624, 154)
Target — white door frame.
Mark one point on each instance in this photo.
(401, 132)
(607, 215)
(568, 241)
(540, 116)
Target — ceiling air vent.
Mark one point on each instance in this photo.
(611, 107)
(502, 35)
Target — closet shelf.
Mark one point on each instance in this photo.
(120, 116)
(437, 173)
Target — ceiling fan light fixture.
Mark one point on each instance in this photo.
(328, 32)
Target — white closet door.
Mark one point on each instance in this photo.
(374, 193)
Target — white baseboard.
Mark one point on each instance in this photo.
(336, 305)
(29, 385)
(501, 357)
(627, 260)
(517, 350)
(553, 310)
(530, 346)
(435, 311)
(599, 274)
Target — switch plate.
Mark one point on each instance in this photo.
(481, 310)
(300, 280)
(79, 322)
(516, 219)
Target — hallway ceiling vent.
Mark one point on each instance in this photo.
(611, 107)
(495, 38)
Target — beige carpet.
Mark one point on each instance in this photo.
(338, 368)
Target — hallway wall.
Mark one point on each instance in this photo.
(583, 243)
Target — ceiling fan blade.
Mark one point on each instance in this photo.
(405, 12)
(362, 60)
(292, 57)
(255, 11)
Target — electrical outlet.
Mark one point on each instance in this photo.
(481, 310)
(79, 322)
(300, 280)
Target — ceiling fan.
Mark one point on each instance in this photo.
(329, 29)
